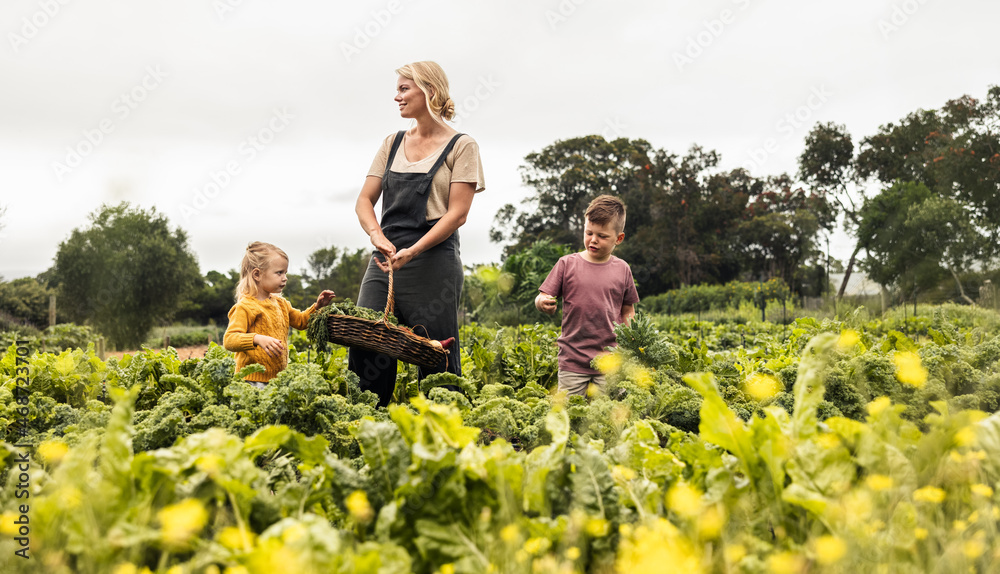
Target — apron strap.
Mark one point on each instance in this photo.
(441, 158)
(392, 152)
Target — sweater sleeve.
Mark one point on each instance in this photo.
(299, 319)
(238, 337)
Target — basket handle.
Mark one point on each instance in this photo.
(389, 299)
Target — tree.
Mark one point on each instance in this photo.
(954, 152)
(341, 271)
(915, 238)
(566, 176)
(125, 272)
(26, 299)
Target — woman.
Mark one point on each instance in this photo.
(426, 177)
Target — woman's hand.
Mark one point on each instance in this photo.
(402, 257)
(273, 347)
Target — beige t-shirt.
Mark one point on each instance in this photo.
(463, 165)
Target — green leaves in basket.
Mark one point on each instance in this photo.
(317, 330)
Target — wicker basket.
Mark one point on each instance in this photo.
(384, 337)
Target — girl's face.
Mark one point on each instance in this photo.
(410, 98)
(272, 279)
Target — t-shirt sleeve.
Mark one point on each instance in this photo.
(631, 294)
(554, 281)
(381, 157)
(468, 166)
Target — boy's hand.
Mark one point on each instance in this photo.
(325, 298)
(273, 347)
(545, 303)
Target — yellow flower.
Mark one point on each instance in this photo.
(537, 545)
(359, 507)
(52, 451)
(181, 521)
(981, 490)
(973, 549)
(7, 526)
(909, 370)
(234, 538)
(966, 436)
(879, 482)
(959, 525)
(448, 568)
(829, 549)
(876, 407)
(734, 553)
(572, 553)
(848, 338)
(238, 569)
(761, 386)
(785, 563)
(710, 523)
(657, 547)
(622, 473)
(684, 500)
(597, 527)
(608, 363)
(125, 568)
(930, 494)
(510, 533)
(642, 378)
(920, 533)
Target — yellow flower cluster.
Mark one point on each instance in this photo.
(909, 370)
(761, 386)
(181, 521)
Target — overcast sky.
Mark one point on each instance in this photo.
(244, 119)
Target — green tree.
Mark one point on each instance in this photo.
(212, 299)
(915, 238)
(566, 176)
(124, 273)
(954, 152)
(341, 271)
(26, 299)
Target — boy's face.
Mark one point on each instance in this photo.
(600, 240)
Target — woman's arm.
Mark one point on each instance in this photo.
(365, 208)
(460, 196)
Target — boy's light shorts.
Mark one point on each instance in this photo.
(578, 383)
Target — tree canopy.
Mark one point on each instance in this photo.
(124, 273)
(688, 222)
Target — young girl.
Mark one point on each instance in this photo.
(259, 321)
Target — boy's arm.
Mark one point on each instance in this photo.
(628, 311)
(545, 303)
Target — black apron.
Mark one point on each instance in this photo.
(427, 289)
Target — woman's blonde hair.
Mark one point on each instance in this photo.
(432, 81)
(257, 256)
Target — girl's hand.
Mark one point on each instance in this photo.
(273, 347)
(325, 298)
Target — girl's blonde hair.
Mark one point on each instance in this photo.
(430, 78)
(257, 256)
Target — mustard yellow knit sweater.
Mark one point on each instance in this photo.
(271, 317)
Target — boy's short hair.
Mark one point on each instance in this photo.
(606, 209)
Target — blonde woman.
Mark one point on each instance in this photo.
(426, 177)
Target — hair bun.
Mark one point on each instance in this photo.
(448, 109)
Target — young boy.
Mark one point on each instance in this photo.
(597, 291)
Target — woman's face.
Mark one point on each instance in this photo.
(410, 98)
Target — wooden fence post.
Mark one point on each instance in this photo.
(52, 310)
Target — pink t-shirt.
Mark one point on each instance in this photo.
(593, 295)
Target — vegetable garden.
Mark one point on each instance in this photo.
(853, 445)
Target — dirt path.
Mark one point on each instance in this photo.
(195, 352)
